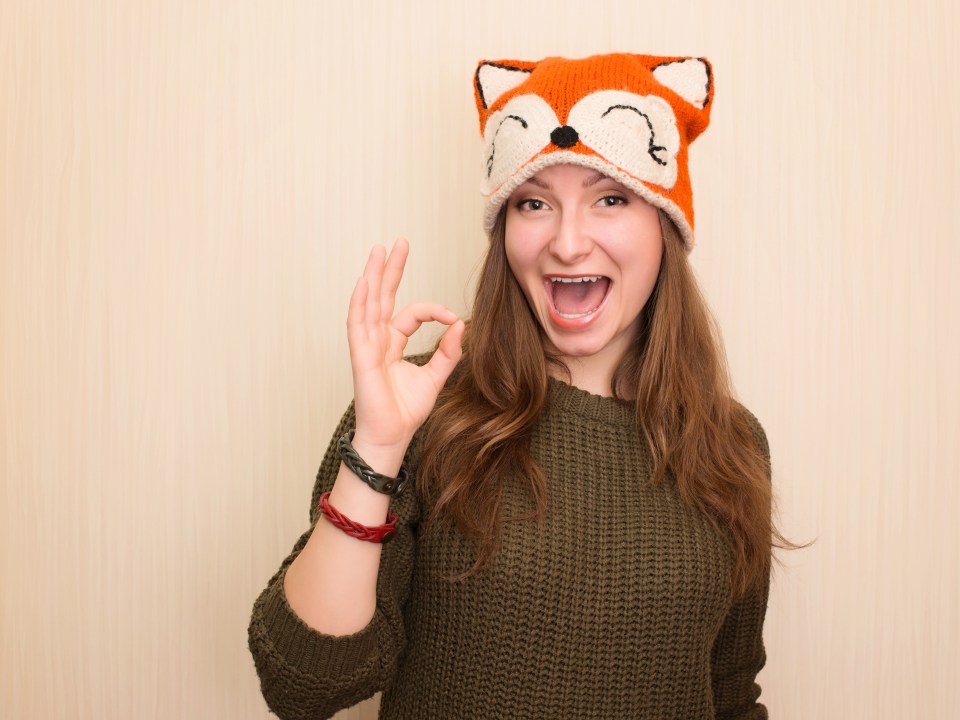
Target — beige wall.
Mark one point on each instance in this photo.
(187, 191)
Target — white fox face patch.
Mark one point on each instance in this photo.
(637, 133)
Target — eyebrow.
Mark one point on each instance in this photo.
(534, 180)
(592, 180)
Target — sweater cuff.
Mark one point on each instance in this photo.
(309, 650)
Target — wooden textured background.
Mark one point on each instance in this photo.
(186, 195)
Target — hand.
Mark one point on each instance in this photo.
(394, 397)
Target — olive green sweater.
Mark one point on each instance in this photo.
(617, 607)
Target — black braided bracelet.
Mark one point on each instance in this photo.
(380, 483)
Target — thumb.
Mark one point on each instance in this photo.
(448, 354)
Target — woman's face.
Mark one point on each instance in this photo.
(586, 252)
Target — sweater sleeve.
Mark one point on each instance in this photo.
(307, 674)
(738, 654)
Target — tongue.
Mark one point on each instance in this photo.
(579, 298)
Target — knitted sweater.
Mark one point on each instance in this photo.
(616, 607)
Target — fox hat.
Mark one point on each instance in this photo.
(631, 117)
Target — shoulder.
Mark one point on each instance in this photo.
(755, 426)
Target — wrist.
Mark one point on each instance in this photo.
(383, 458)
(392, 484)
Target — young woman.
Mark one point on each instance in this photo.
(587, 529)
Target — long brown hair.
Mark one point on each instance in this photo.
(676, 375)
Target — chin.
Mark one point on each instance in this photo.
(580, 347)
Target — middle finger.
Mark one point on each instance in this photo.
(373, 272)
(392, 273)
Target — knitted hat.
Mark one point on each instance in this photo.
(629, 116)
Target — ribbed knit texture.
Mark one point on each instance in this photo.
(617, 607)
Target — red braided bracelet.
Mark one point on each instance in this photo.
(379, 534)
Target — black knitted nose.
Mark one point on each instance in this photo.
(564, 136)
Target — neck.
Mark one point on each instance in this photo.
(593, 373)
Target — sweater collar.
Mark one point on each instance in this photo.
(566, 398)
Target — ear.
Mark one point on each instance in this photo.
(493, 79)
(690, 78)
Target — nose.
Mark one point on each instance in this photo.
(564, 136)
(571, 242)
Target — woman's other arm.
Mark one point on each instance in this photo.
(738, 652)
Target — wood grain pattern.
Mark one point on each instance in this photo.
(187, 192)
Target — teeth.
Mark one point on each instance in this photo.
(583, 278)
(578, 315)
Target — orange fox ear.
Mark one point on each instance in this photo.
(690, 78)
(494, 78)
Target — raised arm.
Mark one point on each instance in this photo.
(331, 585)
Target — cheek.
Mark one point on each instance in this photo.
(512, 264)
(653, 259)
(641, 270)
(515, 265)
(521, 256)
(651, 267)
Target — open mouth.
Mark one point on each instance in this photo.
(577, 297)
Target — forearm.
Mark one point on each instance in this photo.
(332, 584)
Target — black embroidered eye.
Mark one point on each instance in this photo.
(493, 143)
(652, 147)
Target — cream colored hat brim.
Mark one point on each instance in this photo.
(565, 157)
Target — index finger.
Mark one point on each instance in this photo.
(413, 316)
